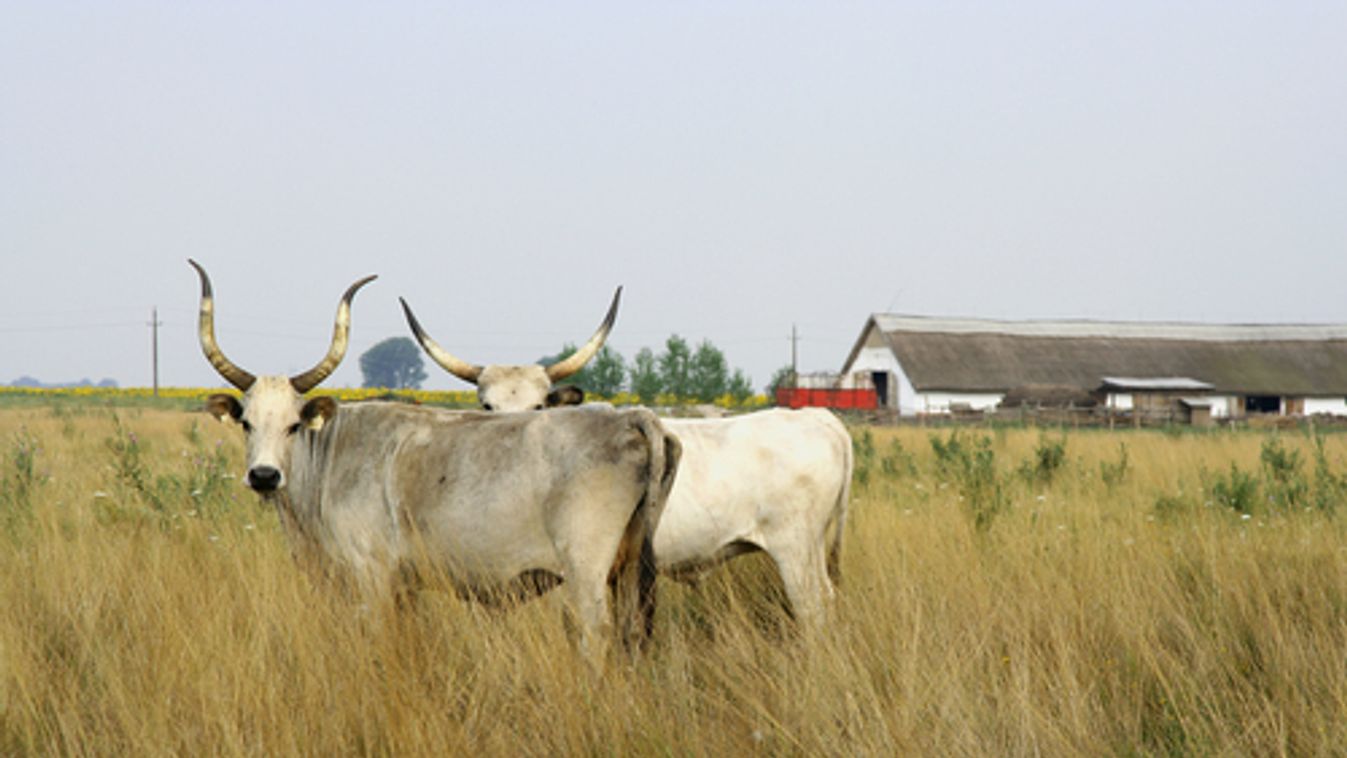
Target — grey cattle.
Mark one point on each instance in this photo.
(520, 388)
(500, 503)
(775, 480)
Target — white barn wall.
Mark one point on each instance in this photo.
(882, 359)
(1220, 404)
(1336, 406)
(871, 359)
(939, 402)
(876, 355)
(909, 403)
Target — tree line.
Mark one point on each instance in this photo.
(700, 374)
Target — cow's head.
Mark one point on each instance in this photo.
(273, 409)
(519, 388)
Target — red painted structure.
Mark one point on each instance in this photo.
(800, 397)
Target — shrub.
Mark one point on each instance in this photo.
(948, 453)
(1112, 473)
(153, 487)
(1237, 490)
(1330, 488)
(19, 480)
(1168, 507)
(1286, 486)
(973, 468)
(863, 455)
(898, 461)
(128, 463)
(1048, 458)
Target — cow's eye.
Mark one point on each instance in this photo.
(538, 407)
(294, 428)
(486, 406)
(247, 428)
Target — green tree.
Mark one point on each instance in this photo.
(579, 378)
(675, 367)
(708, 375)
(740, 387)
(608, 373)
(645, 379)
(604, 375)
(784, 377)
(394, 363)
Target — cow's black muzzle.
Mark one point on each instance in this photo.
(264, 478)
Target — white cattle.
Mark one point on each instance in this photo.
(775, 480)
(500, 503)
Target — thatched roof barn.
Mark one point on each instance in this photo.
(920, 364)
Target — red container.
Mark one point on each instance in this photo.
(800, 397)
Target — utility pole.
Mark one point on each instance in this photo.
(794, 357)
(154, 325)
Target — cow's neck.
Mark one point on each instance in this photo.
(298, 532)
(300, 506)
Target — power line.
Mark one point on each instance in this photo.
(27, 314)
(68, 327)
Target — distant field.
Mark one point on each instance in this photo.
(189, 398)
(1005, 593)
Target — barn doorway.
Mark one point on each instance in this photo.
(1263, 404)
(881, 381)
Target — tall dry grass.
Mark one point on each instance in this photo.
(1068, 604)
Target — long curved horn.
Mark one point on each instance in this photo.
(562, 369)
(206, 329)
(310, 379)
(465, 371)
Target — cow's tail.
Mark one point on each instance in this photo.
(638, 623)
(839, 518)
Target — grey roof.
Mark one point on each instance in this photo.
(891, 322)
(1155, 383)
(979, 355)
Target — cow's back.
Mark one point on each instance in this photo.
(496, 495)
(742, 477)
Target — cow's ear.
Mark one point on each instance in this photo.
(566, 394)
(317, 412)
(224, 406)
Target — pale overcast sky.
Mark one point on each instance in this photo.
(738, 167)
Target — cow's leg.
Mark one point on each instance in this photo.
(804, 575)
(589, 526)
(587, 552)
(587, 588)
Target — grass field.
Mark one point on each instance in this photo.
(1005, 592)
